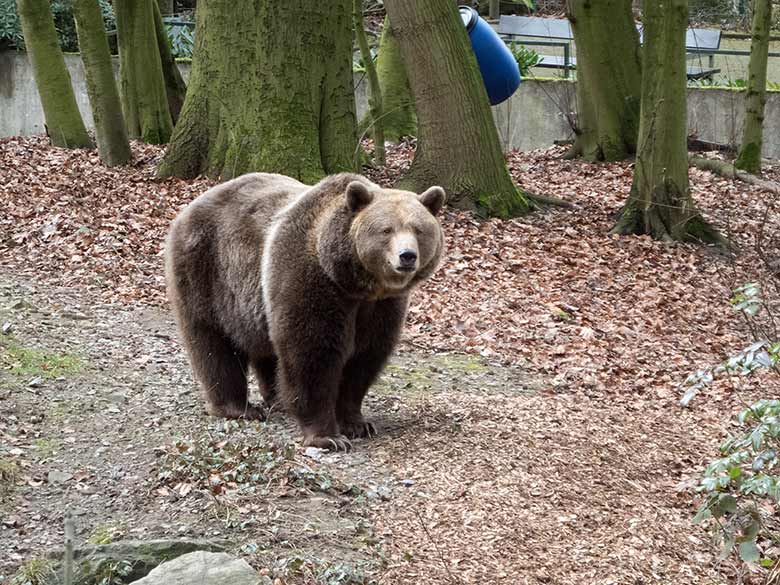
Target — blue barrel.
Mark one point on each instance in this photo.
(500, 72)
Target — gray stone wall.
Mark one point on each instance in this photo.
(536, 116)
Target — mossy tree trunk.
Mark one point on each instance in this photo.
(141, 81)
(609, 78)
(270, 90)
(175, 88)
(749, 158)
(110, 128)
(63, 119)
(375, 92)
(660, 203)
(399, 116)
(457, 144)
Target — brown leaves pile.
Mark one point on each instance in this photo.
(551, 290)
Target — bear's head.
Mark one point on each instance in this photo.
(395, 234)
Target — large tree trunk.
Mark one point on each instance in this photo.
(375, 92)
(458, 145)
(63, 119)
(609, 78)
(749, 158)
(262, 99)
(400, 118)
(142, 86)
(175, 88)
(110, 128)
(660, 202)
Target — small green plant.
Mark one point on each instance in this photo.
(526, 58)
(33, 572)
(742, 489)
(114, 573)
(46, 447)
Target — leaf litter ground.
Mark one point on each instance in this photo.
(532, 427)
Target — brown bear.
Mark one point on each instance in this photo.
(307, 285)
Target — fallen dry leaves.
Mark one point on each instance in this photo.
(612, 322)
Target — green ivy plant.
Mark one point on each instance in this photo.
(742, 488)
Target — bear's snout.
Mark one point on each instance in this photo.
(407, 260)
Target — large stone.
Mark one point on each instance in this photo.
(132, 559)
(204, 568)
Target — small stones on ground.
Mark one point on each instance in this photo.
(314, 453)
(36, 382)
(7, 328)
(56, 477)
(407, 482)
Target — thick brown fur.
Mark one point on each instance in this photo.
(307, 285)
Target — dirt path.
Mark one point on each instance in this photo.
(480, 475)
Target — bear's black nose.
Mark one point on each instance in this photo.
(408, 258)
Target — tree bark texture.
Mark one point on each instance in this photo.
(660, 203)
(749, 158)
(609, 78)
(63, 119)
(457, 144)
(110, 129)
(375, 92)
(270, 90)
(400, 118)
(141, 81)
(175, 88)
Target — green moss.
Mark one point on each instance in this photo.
(46, 447)
(749, 158)
(33, 362)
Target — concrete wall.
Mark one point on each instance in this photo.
(532, 118)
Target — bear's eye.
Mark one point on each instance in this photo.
(387, 230)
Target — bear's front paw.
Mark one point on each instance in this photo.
(358, 429)
(331, 443)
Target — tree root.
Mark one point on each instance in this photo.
(728, 170)
(538, 200)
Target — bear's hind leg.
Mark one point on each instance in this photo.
(265, 369)
(359, 373)
(221, 371)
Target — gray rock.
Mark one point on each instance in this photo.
(204, 568)
(55, 476)
(36, 382)
(134, 558)
(7, 328)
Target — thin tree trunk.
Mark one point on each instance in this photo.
(260, 99)
(749, 158)
(458, 145)
(400, 118)
(142, 86)
(608, 78)
(660, 203)
(375, 95)
(175, 88)
(110, 128)
(63, 119)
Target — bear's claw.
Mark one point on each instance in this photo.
(248, 411)
(358, 430)
(337, 443)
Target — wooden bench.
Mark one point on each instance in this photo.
(557, 32)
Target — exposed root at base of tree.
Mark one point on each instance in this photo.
(728, 170)
(634, 221)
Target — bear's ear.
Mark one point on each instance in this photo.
(358, 196)
(433, 199)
